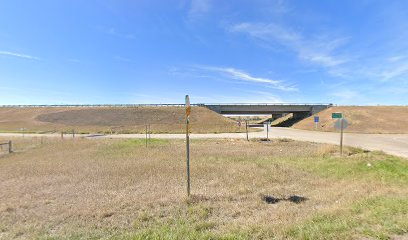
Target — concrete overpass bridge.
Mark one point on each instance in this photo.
(299, 110)
(276, 109)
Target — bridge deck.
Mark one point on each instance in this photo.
(305, 109)
(222, 108)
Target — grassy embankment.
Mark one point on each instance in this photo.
(362, 119)
(76, 189)
(113, 120)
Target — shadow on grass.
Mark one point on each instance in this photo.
(294, 199)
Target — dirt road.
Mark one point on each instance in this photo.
(396, 144)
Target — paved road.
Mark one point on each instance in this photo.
(396, 144)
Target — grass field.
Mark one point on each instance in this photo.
(119, 189)
(362, 119)
(113, 120)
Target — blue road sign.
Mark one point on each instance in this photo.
(316, 119)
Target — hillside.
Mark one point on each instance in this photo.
(113, 119)
(362, 119)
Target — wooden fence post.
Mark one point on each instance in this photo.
(246, 129)
(149, 133)
(10, 147)
(146, 134)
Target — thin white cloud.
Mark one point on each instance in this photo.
(382, 69)
(241, 75)
(318, 50)
(325, 51)
(239, 97)
(198, 8)
(394, 72)
(74, 60)
(122, 59)
(262, 96)
(346, 96)
(18, 55)
(114, 32)
(396, 58)
(237, 75)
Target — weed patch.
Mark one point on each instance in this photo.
(378, 217)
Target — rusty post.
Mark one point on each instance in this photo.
(10, 144)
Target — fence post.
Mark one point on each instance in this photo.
(149, 133)
(73, 133)
(246, 129)
(62, 134)
(267, 132)
(146, 134)
(10, 147)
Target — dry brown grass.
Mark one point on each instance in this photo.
(114, 119)
(363, 119)
(121, 189)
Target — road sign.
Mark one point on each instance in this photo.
(337, 115)
(338, 124)
(316, 121)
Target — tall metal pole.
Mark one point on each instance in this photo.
(341, 135)
(188, 110)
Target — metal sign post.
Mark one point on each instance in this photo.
(341, 124)
(188, 111)
(316, 120)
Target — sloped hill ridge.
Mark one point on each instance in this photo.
(362, 119)
(113, 119)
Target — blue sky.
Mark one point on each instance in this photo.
(90, 52)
